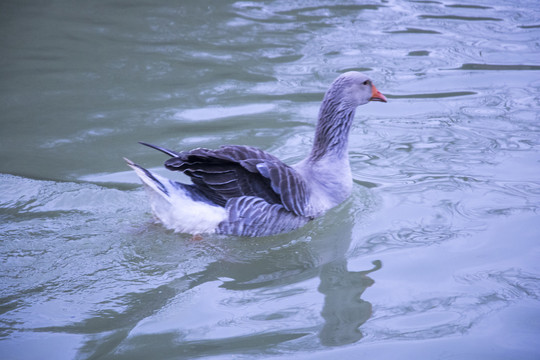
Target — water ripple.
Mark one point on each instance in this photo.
(497, 67)
(457, 17)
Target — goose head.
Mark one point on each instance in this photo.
(354, 89)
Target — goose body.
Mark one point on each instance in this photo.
(242, 190)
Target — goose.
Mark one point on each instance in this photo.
(244, 191)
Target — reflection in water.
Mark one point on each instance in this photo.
(344, 312)
(244, 269)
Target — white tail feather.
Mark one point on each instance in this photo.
(173, 206)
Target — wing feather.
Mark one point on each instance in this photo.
(236, 171)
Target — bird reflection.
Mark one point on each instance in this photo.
(344, 311)
(242, 266)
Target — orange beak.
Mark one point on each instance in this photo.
(376, 95)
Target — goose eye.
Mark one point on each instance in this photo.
(366, 82)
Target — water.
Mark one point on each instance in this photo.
(435, 255)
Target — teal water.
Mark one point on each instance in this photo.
(435, 255)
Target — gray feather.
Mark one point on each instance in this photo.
(252, 216)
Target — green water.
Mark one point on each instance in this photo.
(435, 255)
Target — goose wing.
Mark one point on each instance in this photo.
(236, 171)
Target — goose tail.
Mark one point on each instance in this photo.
(180, 207)
(154, 182)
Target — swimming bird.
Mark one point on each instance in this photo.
(245, 191)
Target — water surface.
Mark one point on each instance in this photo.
(435, 255)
